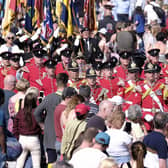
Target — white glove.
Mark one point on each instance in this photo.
(148, 118)
(138, 88)
(58, 51)
(36, 34)
(76, 43)
(78, 37)
(23, 38)
(20, 32)
(56, 33)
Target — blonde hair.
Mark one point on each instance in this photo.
(75, 100)
(116, 119)
(33, 90)
(155, 29)
(108, 163)
(22, 84)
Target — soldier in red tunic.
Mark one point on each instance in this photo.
(62, 67)
(153, 98)
(108, 81)
(74, 80)
(132, 89)
(5, 67)
(49, 81)
(121, 70)
(34, 71)
(98, 93)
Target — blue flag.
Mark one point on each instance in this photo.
(47, 25)
(30, 11)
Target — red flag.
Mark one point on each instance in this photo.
(90, 15)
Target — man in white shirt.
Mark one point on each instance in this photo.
(151, 15)
(91, 157)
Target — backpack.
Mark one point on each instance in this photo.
(161, 14)
(159, 11)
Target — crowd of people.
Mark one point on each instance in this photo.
(96, 99)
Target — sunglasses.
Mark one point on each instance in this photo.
(10, 38)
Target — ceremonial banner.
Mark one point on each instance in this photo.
(10, 13)
(47, 25)
(69, 16)
(90, 15)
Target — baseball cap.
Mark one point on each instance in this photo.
(82, 109)
(102, 138)
(118, 100)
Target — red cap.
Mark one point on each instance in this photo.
(82, 109)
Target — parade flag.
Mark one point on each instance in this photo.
(68, 16)
(34, 14)
(47, 25)
(90, 15)
(30, 11)
(10, 13)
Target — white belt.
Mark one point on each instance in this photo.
(129, 102)
(153, 110)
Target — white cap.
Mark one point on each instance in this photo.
(118, 100)
(103, 30)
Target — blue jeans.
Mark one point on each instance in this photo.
(2, 160)
(58, 149)
(121, 159)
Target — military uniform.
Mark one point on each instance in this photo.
(60, 67)
(4, 69)
(120, 71)
(98, 93)
(49, 83)
(153, 97)
(33, 73)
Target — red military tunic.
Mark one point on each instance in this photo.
(3, 73)
(132, 94)
(12, 71)
(98, 93)
(120, 72)
(60, 69)
(112, 86)
(34, 74)
(165, 70)
(76, 83)
(49, 85)
(152, 100)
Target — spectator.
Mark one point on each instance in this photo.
(108, 163)
(69, 112)
(138, 130)
(85, 139)
(85, 91)
(48, 105)
(98, 120)
(67, 94)
(9, 86)
(15, 102)
(139, 21)
(27, 130)
(156, 144)
(91, 157)
(2, 131)
(118, 146)
(138, 152)
(73, 129)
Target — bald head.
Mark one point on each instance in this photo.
(105, 108)
(9, 82)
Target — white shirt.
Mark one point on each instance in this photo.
(119, 141)
(87, 158)
(151, 14)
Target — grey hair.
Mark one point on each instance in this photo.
(134, 112)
